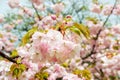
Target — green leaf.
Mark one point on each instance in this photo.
(44, 68)
(22, 66)
(14, 53)
(1, 36)
(13, 67)
(76, 30)
(17, 69)
(45, 75)
(83, 73)
(18, 60)
(84, 8)
(65, 65)
(93, 19)
(16, 72)
(95, 1)
(83, 29)
(113, 78)
(28, 35)
(42, 74)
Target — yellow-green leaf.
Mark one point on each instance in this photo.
(65, 64)
(28, 35)
(95, 1)
(13, 67)
(83, 29)
(17, 69)
(93, 19)
(44, 68)
(16, 72)
(76, 30)
(22, 66)
(18, 60)
(41, 75)
(14, 53)
(83, 73)
(1, 35)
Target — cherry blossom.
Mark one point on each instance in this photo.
(13, 3)
(58, 7)
(96, 8)
(57, 47)
(1, 18)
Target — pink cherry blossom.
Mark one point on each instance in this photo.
(116, 10)
(8, 27)
(96, 8)
(58, 7)
(43, 49)
(47, 22)
(28, 11)
(71, 77)
(116, 28)
(13, 3)
(37, 2)
(107, 9)
(40, 7)
(1, 18)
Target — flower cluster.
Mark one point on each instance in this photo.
(7, 41)
(106, 9)
(55, 47)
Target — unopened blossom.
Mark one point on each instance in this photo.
(13, 3)
(54, 17)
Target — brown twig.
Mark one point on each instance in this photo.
(97, 36)
(36, 11)
(7, 57)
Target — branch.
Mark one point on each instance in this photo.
(7, 57)
(97, 36)
(36, 11)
